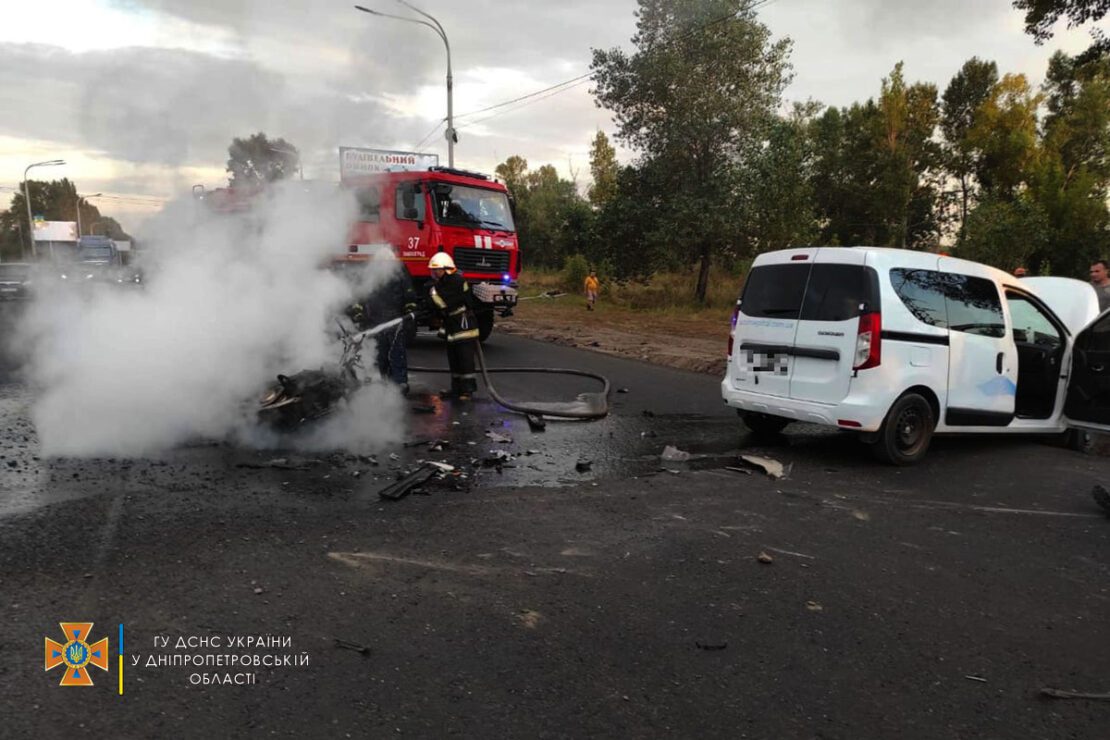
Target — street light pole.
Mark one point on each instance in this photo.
(27, 197)
(435, 25)
(79, 199)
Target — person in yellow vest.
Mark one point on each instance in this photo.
(592, 286)
(450, 296)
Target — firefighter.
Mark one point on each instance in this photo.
(392, 298)
(450, 297)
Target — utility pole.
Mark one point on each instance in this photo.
(435, 25)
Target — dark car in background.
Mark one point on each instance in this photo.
(15, 281)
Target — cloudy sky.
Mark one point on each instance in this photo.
(142, 97)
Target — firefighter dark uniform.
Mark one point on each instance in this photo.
(451, 298)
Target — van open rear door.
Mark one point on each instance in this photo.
(1087, 404)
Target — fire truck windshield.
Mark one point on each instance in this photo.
(460, 205)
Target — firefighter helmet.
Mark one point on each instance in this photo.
(441, 261)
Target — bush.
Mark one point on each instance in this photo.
(575, 270)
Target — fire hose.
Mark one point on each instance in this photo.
(587, 406)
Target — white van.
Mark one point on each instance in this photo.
(898, 345)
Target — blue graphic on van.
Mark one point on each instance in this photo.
(998, 386)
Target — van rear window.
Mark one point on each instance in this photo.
(839, 292)
(774, 291)
(821, 292)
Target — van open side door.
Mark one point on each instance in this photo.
(1087, 403)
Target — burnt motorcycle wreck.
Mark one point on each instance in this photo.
(296, 400)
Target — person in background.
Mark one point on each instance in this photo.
(450, 297)
(1101, 280)
(592, 286)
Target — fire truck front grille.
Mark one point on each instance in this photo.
(469, 259)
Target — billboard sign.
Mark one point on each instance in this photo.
(55, 231)
(358, 162)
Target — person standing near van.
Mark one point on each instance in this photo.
(592, 286)
(1100, 278)
(451, 298)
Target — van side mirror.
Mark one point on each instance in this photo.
(411, 213)
(408, 200)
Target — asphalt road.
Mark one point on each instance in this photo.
(536, 600)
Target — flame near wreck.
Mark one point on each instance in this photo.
(228, 302)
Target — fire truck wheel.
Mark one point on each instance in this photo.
(485, 325)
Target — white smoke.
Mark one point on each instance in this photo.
(227, 303)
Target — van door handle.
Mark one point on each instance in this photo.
(998, 363)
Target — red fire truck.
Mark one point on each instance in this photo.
(417, 213)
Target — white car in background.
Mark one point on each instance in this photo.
(898, 345)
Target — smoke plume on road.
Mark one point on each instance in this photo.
(228, 301)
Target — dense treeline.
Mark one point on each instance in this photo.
(991, 168)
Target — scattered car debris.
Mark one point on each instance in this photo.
(673, 454)
(536, 422)
(439, 445)
(764, 558)
(622, 390)
(650, 433)
(401, 488)
(814, 606)
(423, 409)
(745, 471)
(773, 468)
(980, 679)
(1101, 497)
(711, 645)
(583, 466)
(648, 414)
(1062, 694)
(499, 438)
(348, 645)
(441, 466)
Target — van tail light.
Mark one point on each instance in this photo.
(869, 342)
(732, 328)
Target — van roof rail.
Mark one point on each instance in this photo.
(460, 173)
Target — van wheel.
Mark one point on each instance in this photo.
(1079, 440)
(906, 432)
(764, 425)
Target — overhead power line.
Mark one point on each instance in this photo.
(574, 82)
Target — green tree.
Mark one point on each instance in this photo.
(1006, 232)
(695, 98)
(552, 220)
(966, 92)
(258, 159)
(604, 169)
(1005, 134)
(777, 192)
(1071, 177)
(1042, 15)
(54, 200)
(512, 172)
(876, 168)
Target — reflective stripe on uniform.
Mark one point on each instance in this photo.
(462, 336)
(440, 303)
(457, 311)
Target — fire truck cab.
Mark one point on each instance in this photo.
(419, 213)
